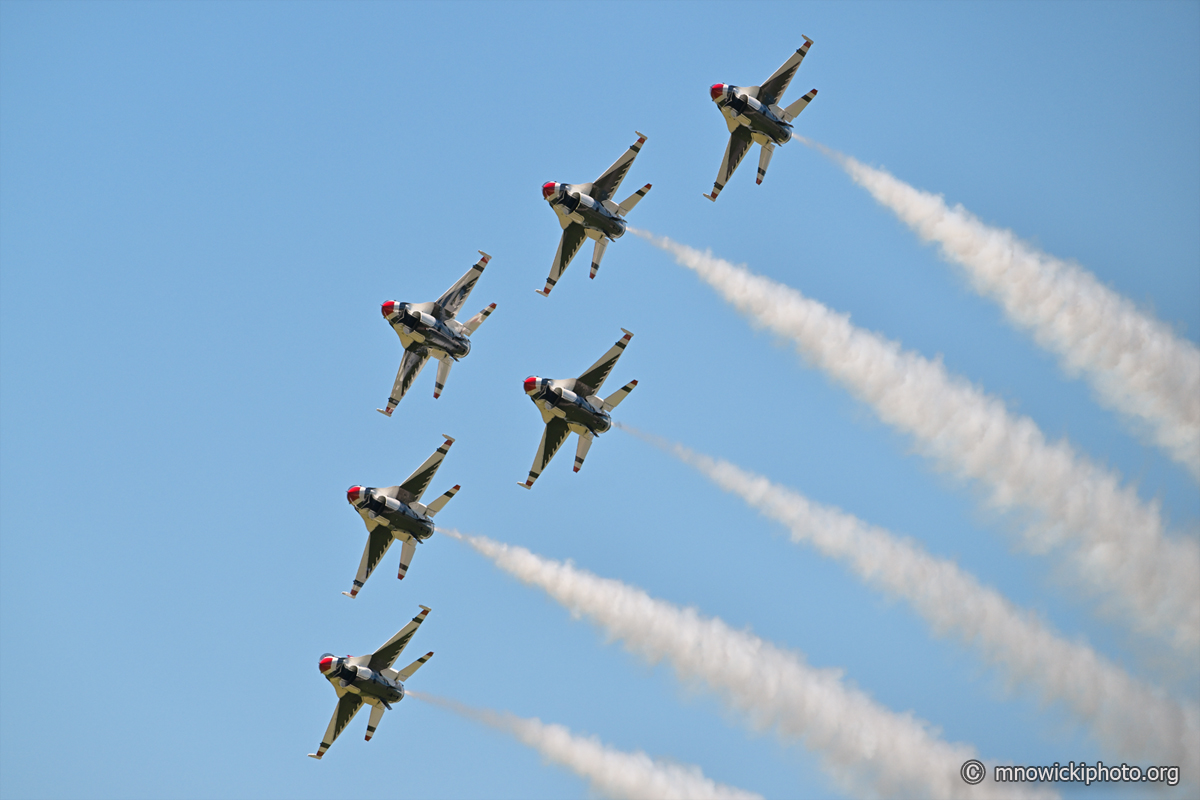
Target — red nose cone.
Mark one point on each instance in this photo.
(530, 385)
(325, 664)
(354, 493)
(547, 190)
(388, 308)
(716, 90)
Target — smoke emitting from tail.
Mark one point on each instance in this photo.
(865, 747)
(1128, 717)
(1119, 547)
(1135, 363)
(614, 773)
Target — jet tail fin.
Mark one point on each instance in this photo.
(408, 671)
(474, 322)
(628, 203)
(793, 111)
(440, 502)
(614, 399)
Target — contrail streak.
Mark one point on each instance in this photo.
(1128, 717)
(865, 747)
(1134, 362)
(1119, 547)
(614, 773)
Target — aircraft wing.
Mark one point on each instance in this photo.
(572, 239)
(772, 88)
(348, 705)
(607, 184)
(552, 439)
(416, 484)
(597, 373)
(452, 301)
(378, 542)
(735, 151)
(385, 656)
(410, 368)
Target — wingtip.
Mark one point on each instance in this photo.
(641, 136)
(492, 306)
(385, 412)
(351, 596)
(456, 488)
(525, 484)
(712, 197)
(633, 383)
(436, 395)
(543, 293)
(628, 335)
(426, 609)
(314, 755)
(449, 439)
(805, 38)
(486, 257)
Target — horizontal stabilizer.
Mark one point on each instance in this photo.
(581, 451)
(373, 722)
(440, 502)
(614, 399)
(628, 203)
(443, 373)
(408, 671)
(598, 254)
(474, 322)
(793, 111)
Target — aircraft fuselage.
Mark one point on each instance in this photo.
(367, 683)
(738, 107)
(394, 514)
(568, 399)
(422, 331)
(574, 204)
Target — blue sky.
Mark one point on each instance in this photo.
(203, 205)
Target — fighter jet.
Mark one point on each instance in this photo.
(368, 679)
(396, 513)
(430, 329)
(585, 210)
(572, 405)
(753, 116)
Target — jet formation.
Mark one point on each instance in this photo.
(586, 211)
(368, 679)
(569, 405)
(752, 115)
(430, 330)
(396, 512)
(572, 405)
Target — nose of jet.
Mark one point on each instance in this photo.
(548, 190)
(716, 90)
(354, 494)
(325, 664)
(389, 308)
(531, 385)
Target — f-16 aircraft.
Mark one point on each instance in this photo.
(368, 679)
(752, 114)
(397, 513)
(572, 405)
(586, 210)
(430, 330)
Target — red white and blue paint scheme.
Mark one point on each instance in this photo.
(573, 406)
(396, 512)
(368, 679)
(587, 211)
(752, 114)
(430, 330)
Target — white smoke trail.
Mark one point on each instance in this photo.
(1118, 543)
(612, 772)
(865, 747)
(1130, 718)
(1135, 363)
